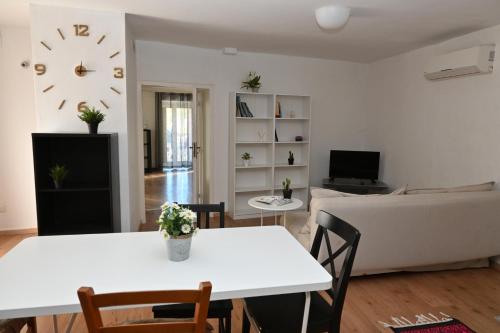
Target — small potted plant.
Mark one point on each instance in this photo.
(291, 158)
(177, 225)
(58, 173)
(287, 191)
(246, 157)
(92, 117)
(252, 82)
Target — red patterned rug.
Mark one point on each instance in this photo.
(427, 323)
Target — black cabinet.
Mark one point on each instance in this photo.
(89, 199)
(355, 186)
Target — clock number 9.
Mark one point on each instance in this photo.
(118, 73)
(82, 106)
(81, 30)
(40, 69)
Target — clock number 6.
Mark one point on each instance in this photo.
(118, 73)
(40, 69)
(81, 30)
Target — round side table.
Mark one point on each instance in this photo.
(273, 207)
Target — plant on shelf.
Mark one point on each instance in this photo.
(58, 173)
(252, 82)
(291, 158)
(287, 191)
(246, 157)
(92, 117)
(177, 225)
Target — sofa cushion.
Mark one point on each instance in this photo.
(317, 192)
(467, 188)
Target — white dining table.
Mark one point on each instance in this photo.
(40, 276)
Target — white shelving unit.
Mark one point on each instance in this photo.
(269, 164)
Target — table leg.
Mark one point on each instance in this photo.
(305, 319)
(54, 321)
(70, 323)
(284, 219)
(261, 218)
(275, 218)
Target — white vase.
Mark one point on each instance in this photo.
(246, 163)
(178, 248)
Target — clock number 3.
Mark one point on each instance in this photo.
(118, 72)
(81, 30)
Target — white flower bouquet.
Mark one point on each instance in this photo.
(176, 221)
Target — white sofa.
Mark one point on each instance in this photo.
(415, 231)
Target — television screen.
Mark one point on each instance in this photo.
(354, 164)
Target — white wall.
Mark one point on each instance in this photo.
(68, 53)
(17, 187)
(435, 133)
(337, 89)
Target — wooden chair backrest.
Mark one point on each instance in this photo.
(91, 303)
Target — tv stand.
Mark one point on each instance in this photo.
(355, 186)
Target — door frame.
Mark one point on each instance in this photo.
(140, 121)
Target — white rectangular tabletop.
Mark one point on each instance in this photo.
(41, 275)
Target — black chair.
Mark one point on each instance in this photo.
(217, 309)
(284, 313)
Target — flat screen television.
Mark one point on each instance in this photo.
(354, 164)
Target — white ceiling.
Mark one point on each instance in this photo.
(377, 28)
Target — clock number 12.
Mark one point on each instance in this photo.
(81, 30)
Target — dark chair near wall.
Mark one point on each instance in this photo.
(220, 310)
(283, 313)
(16, 325)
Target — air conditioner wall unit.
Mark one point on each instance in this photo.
(475, 60)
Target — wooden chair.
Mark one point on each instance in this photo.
(91, 303)
(16, 325)
(220, 310)
(283, 313)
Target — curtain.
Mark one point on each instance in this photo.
(159, 130)
(177, 127)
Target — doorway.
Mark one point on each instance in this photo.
(175, 153)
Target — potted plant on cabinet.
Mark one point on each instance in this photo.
(93, 118)
(291, 158)
(246, 157)
(252, 82)
(58, 173)
(177, 225)
(287, 191)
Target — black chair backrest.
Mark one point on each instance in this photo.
(328, 222)
(206, 209)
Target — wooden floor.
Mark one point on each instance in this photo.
(473, 296)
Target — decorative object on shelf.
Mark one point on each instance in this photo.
(252, 82)
(246, 157)
(287, 191)
(277, 112)
(93, 118)
(242, 109)
(276, 136)
(262, 135)
(291, 158)
(58, 173)
(299, 138)
(177, 225)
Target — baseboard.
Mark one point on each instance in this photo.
(18, 231)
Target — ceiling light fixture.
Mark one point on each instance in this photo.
(332, 17)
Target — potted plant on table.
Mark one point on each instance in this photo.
(246, 157)
(252, 82)
(287, 191)
(58, 173)
(93, 118)
(177, 225)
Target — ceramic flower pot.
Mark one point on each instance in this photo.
(246, 163)
(178, 248)
(287, 194)
(290, 161)
(255, 90)
(93, 128)
(57, 184)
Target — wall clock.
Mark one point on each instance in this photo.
(81, 66)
